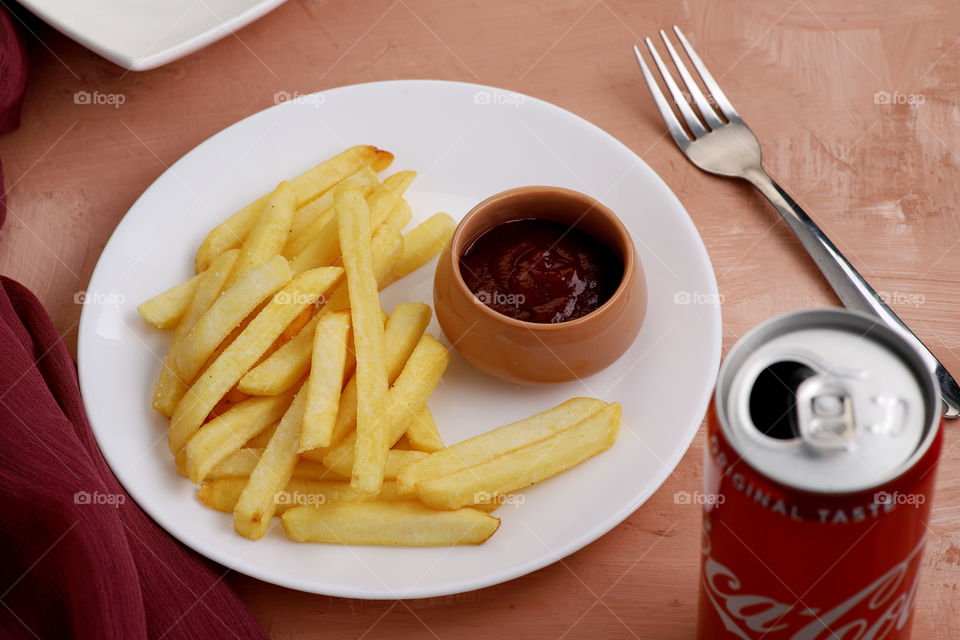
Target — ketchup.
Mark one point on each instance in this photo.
(540, 271)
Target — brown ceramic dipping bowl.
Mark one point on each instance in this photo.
(533, 352)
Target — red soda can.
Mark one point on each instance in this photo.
(822, 444)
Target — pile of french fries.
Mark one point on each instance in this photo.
(291, 393)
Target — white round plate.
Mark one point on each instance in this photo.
(467, 142)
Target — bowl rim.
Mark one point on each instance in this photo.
(595, 316)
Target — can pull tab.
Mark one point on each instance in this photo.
(825, 416)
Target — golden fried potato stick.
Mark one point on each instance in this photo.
(223, 494)
(267, 237)
(387, 523)
(240, 464)
(323, 247)
(399, 216)
(323, 225)
(318, 244)
(165, 310)
(406, 397)
(386, 248)
(228, 432)
(385, 198)
(403, 331)
(282, 368)
(489, 445)
(422, 244)
(397, 459)
(422, 432)
(292, 360)
(519, 468)
(244, 352)
(353, 228)
(228, 311)
(365, 178)
(256, 505)
(326, 380)
(231, 232)
(261, 440)
(170, 386)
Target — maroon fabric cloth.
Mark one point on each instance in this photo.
(13, 81)
(79, 557)
(13, 73)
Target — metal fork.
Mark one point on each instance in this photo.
(727, 147)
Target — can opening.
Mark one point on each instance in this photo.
(773, 399)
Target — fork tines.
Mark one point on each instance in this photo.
(709, 119)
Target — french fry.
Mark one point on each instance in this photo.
(228, 311)
(325, 381)
(386, 248)
(228, 432)
(282, 368)
(489, 445)
(233, 231)
(291, 361)
(170, 386)
(387, 523)
(223, 494)
(223, 347)
(180, 460)
(267, 237)
(399, 216)
(297, 325)
(310, 470)
(262, 439)
(365, 178)
(353, 227)
(422, 432)
(239, 464)
(385, 198)
(321, 232)
(403, 331)
(397, 459)
(409, 394)
(256, 505)
(318, 245)
(235, 396)
(403, 444)
(165, 310)
(519, 468)
(243, 352)
(487, 507)
(322, 248)
(422, 244)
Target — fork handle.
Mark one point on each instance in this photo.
(849, 285)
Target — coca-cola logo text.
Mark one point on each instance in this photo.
(874, 611)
